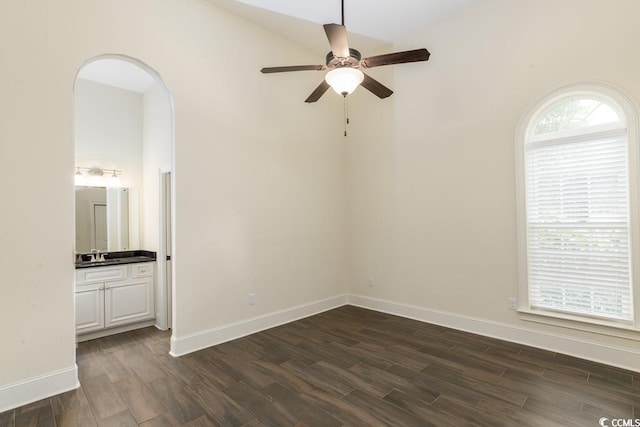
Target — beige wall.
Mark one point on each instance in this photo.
(434, 221)
(156, 153)
(259, 179)
(259, 174)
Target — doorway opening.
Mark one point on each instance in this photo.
(124, 145)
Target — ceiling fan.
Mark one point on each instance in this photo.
(345, 65)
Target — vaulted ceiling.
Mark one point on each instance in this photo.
(372, 25)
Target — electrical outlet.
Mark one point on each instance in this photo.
(372, 284)
(252, 299)
(512, 303)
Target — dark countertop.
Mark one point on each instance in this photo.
(117, 258)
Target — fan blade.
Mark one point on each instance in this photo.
(396, 58)
(375, 87)
(316, 94)
(268, 70)
(337, 35)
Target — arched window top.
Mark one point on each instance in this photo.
(575, 114)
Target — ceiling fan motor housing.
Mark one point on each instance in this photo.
(352, 61)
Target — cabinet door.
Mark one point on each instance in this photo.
(129, 302)
(89, 308)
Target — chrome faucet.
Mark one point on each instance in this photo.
(96, 255)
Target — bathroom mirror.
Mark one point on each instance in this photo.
(106, 219)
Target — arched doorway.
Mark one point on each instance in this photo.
(123, 133)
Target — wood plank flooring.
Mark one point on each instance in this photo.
(348, 366)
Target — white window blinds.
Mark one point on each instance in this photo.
(577, 215)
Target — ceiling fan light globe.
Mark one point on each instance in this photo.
(344, 80)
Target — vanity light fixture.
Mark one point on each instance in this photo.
(114, 180)
(79, 178)
(95, 177)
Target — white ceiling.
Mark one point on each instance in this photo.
(371, 25)
(118, 73)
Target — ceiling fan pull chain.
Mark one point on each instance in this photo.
(346, 114)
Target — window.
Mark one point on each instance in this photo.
(576, 157)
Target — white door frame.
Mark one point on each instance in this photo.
(164, 318)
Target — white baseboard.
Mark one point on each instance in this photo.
(37, 388)
(117, 330)
(194, 342)
(622, 357)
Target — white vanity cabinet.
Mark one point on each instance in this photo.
(89, 308)
(116, 295)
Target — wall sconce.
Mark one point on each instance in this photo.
(97, 177)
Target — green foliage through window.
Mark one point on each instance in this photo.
(574, 114)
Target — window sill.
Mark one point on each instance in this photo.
(602, 327)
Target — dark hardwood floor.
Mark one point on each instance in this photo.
(348, 366)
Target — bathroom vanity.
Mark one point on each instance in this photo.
(114, 295)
